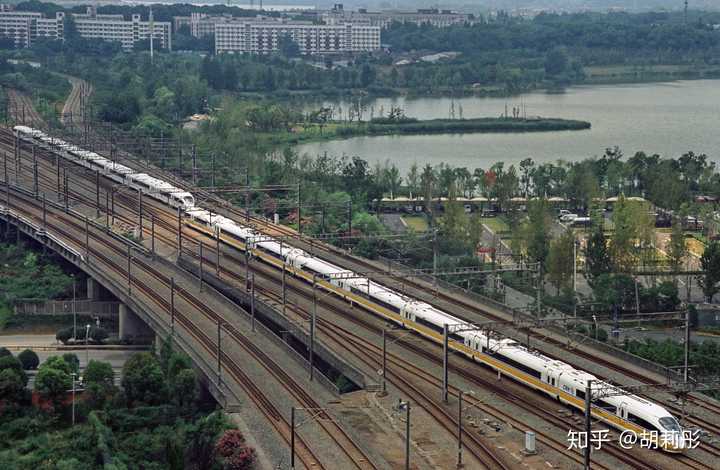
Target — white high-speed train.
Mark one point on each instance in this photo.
(153, 187)
(555, 378)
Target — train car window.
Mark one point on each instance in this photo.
(639, 421)
(607, 406)
(519, 366)
(430, 325)
(456, 337)
(580, 393)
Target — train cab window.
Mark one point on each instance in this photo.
(670, 424)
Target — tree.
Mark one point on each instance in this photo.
(29, 359)
(5, 352)
(202, 437)
(184, 388)
(73, 361)
(560, 259)
(12, 363)
(538, 231)
(58, 362)
(677, 250)
(633, 228)
(413, 180)
(428, 181)
(393, 179)
(556, 62)
(53, 381)
(99, 382)
(597, 256)
(710, 262)
(11, 386)
(143, 379)
(287, 47)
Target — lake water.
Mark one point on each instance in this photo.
(664, 118)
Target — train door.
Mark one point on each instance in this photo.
(552, 377)
(622, 411)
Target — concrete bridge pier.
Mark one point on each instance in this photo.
(93, 289)
(130, 325)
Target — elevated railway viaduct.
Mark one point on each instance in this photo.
(80, 229)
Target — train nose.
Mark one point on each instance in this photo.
(673, 441)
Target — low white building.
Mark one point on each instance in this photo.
(383, 19)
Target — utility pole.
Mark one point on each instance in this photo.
(588, 422)
(87, 234)
(686, 352)
(406, 405)
(179, 233)
(219, 355)
(445, 364)
(292, 438)
(217, 250)
(312, 330)
(129, 257)
(140, 215)
(283, 287)
(97, 194)
(539, 289)
(384, 362)
(247, 195)
(299, 210)
(575, 244)
(252, 301)
(459, 430)
(152, 234)
(201, 265)
(35, 173)
(172, 307)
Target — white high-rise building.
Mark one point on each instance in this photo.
(26, 27)
(262, 36)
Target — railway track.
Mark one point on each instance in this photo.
(316, 246)
(72, 109)
(21, 109)
(353, 452)
(371, 354)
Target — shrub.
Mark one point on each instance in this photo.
(143, 379)
(73, 361)
(98, 334)
(64, 335)
(234, 452)
(5, 352)
(29, 359)
(11, 362)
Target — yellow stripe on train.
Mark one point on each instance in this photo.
(431, 334)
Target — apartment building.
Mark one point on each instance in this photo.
(382, 19)
(115, 28)
(200, 24)
(262, 36)
(26, 27)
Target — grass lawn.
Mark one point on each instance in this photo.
(496, 224)
(695, 246)
(417, 223)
